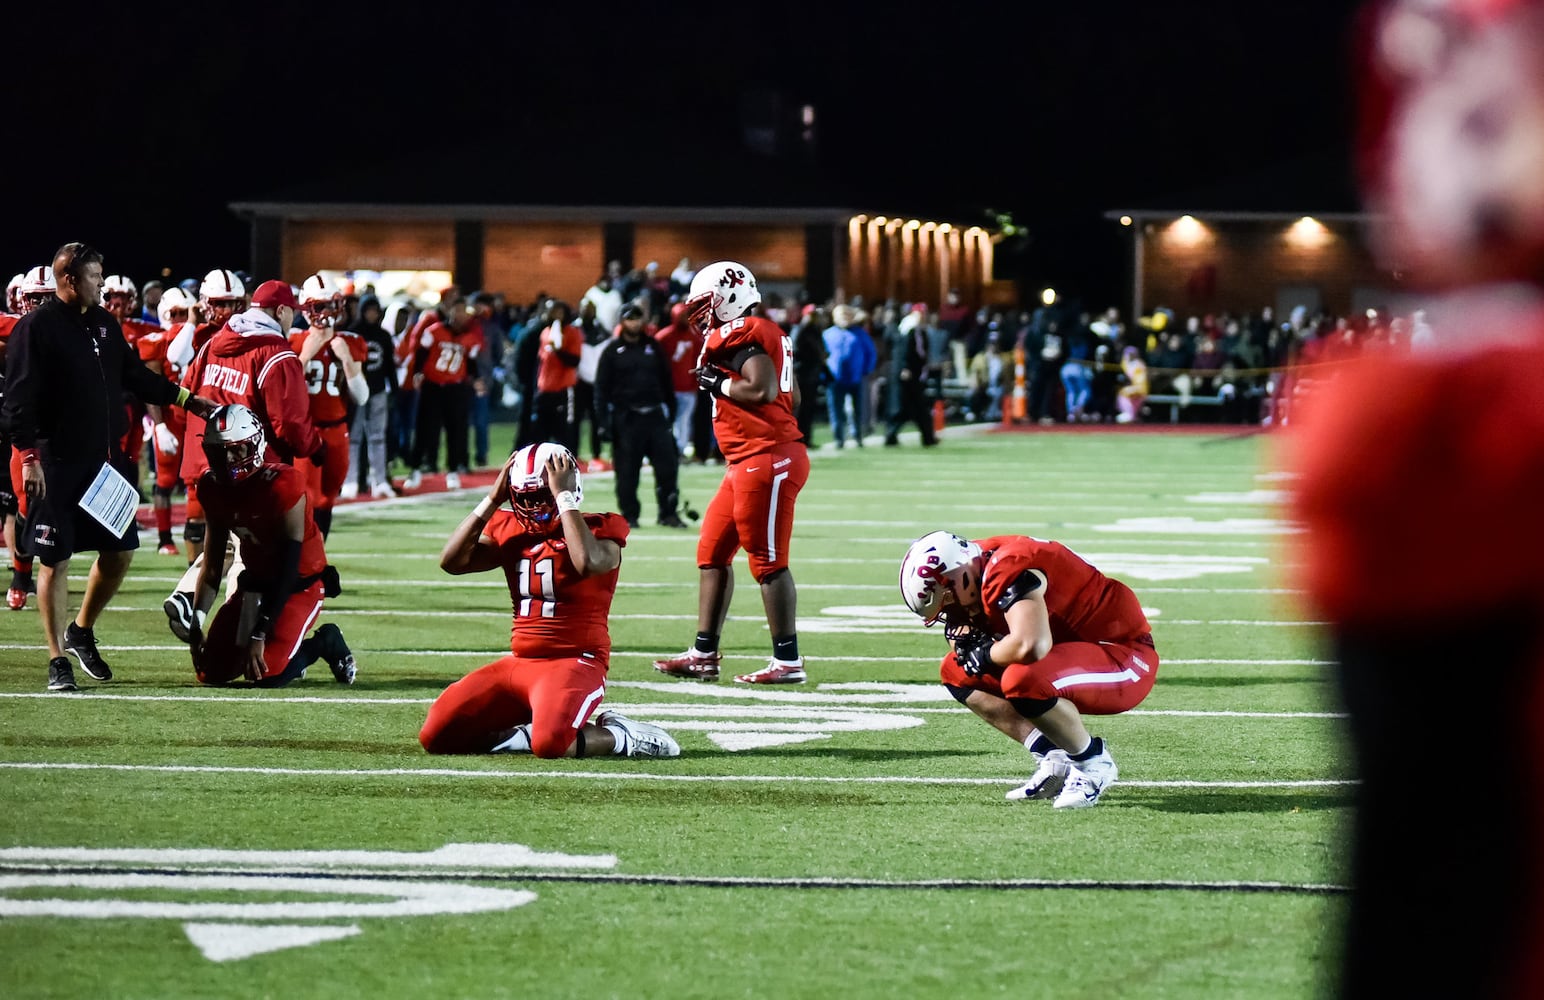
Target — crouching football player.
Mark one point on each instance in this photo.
(260, 631)
(561, 565)
(1039, 638)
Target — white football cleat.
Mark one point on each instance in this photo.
(776, 672)
(691, 664)
(452, 480)
(644, 739)
(1087, 781)
(179, 614)
(349, 491)
(1047, 780)
(382, 491)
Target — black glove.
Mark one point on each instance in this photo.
(712, 378)
(973, 652)
(319, 456)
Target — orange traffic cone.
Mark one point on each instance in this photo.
(940, 415)
(1017, 408)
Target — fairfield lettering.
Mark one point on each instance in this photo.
(228, 379)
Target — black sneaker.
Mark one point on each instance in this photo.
(179, 614)
(337, 654)
(60, 675)
(81, 644)
(672, 521)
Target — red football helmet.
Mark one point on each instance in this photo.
(529, 494)
(1452, 143)
(234, 442)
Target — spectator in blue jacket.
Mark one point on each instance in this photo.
(851, 356)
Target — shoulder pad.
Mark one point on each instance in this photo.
(1026, 584)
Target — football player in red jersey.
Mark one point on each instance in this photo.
(120, 296)
(1417, 483)
(746, 365)
(446, 358)
(35, 287)
(260, 631)
(334, 362)
(561, 565)
(168, 425)
(1039, 637)
(249, 361)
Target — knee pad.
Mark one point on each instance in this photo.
(772, 576)
(193, 531)
(959, 693)
(1032, 708)
(162, 493)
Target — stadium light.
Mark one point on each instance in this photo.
(1048, 297)
(1125, 220)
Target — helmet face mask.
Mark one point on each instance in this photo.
(234, 443)
(222, 295)
(722, 292)
(321, 302)
(37, 287)
(941, 578)
(119, 296)
(174, 307)
(530, 496)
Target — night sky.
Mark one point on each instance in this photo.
(135, 125)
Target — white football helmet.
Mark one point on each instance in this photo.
(529, 495)
(721, 292)
(234, 442)
(36, 286)
(320, 300)
(222, 295)
(13, 294)
(173, 301)
(116, 285)
(941, 570)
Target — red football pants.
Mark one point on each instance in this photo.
(324, 482)
(1100, 678)
(223, 660)
(753, 509)
(555, 696)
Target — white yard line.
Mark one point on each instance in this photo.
(459, 773)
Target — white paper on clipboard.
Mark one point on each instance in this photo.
(111, 500)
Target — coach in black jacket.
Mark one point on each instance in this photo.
(635, 407)
(66, 369)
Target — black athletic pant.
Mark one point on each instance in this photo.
(638, 436)
(448, 406)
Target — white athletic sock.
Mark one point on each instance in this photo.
(519, 741)
(619, 735)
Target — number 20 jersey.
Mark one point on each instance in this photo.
(556, 611)
(744, 430)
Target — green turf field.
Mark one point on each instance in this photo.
(846, 838)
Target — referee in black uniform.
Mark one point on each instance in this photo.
(635, 405)
(65, 374)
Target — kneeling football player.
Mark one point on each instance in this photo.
(562, 566)
(1039, 638)
(260, 631)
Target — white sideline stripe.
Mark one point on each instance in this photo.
(645, 617)
(800, 710)
(448, 772)
(491, 857)
(620, 654)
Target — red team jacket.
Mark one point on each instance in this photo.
(557, 612)
(254, 510)
(1084, 604)
(743, 431)
(451, 355)
(259, 371)
(324, 376)
(681, 345)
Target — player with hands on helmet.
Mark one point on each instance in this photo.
(260, 631)
(746, 363)
(561, 565)
(1039, 638)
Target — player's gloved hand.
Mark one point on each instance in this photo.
(714, 379)
(165, 440)
(973, 652)
(319, 456)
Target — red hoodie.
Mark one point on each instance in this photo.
(681, 345)
(250, 362)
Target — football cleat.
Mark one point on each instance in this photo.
(168, 549)
(382, 491)
(452, 480)
(776, 672)
(15, 598)
(1087, 781)
(81, 644)
(179, 614)
(692, 664)
(414, 480)
(349, 491)
(61, 677)
(643, 739)
(1048, 779)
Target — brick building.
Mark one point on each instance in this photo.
(1208, 262)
